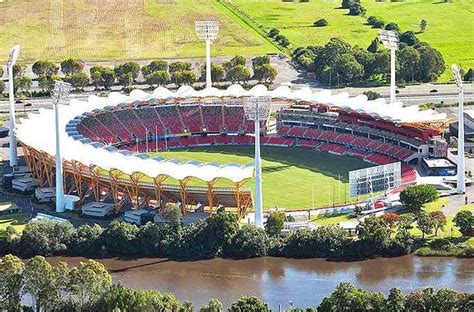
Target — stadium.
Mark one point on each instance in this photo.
(112, 145)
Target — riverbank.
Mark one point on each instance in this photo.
(280, 280)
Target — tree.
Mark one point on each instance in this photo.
(347, 3)
(432, 64)
(86, 240)
(88, 281)
(409, 38)
(102, 76)
(469, 76)
(217, 72)
(260, 60)
(120, 236)
(265, 73)
(238, 73)
(235, 61)
(439, 220)
(414, 197)
(374, 45)
(22, 83)
(44, 68)
(11, 283)
(284, 41)
(72, 66)
(159, 78)
(464, 220)
(214, 305)
(273, 33)
(371, 95)
(249, 304)
(374, 232)
(127, 73)
(47, 83)
(423, 25)
(46, 238)
(179, 67)
(186, 77)
(405, 220)
(275, 223)
(320, 23)
(78, 80)
(396, 300)
(424, 223)
(356, 9)
(392, 26)
(154, 66)
(173, 216)
(390, 219)
(409, 61)
(40, 283)
(248, 242)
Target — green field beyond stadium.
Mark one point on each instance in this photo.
(290, 175)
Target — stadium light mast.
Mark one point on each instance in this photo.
(207, 30)
(390, 40)
(461, 184)
(11, 94)
(257, 109)
(60, 97)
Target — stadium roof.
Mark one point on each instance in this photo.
(38, 129)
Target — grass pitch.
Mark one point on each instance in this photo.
(120, 30)
(450, 24)
(290, 175)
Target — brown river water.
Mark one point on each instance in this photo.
(305, 282)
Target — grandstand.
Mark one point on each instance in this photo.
(107, 141)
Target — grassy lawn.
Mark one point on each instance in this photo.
(436, 205)
(332, 219)
(289, 175)
(450, 27)
(18, 221)
(133, 29)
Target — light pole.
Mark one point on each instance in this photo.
(60, 96)
(257, 109)
(390, 40)
(11, 94)
(207, 30)
(461, 185)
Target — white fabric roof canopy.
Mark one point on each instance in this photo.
(38, 129)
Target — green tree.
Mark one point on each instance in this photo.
(44, 68)
(275, 223)
(127, 71)
(78, 80)
(374, 45)
(214, 305)
(405, 220)
(409, 37)
(102, 76)
(464, 220)
(445, 300)
(72, 66)
(396, 300)
(47, 83)
(374, 232)
(11, 283)
(423, 25)
(173, 216)
(86, 241)
(260, 60)
(432, 63)
(22, 84)
(409, 61)
(186, 77)
(120, 236)
(235, 61)
(40, 283)
(154, 66)
(320, 23)
(46, 238)
(159, 78)
(249, 304)
(356, 9)
(371, 95)
(179, 67)
(273, 33)
(248, 242)
(424, 223)
(414, 197)
(238, 74)
(88, 281)
(217, 72)
(392, 26)
(265, 73)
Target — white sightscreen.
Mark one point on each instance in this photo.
(375, 179)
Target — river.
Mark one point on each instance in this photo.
(305, 282)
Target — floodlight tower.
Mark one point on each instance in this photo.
(461, 187)
(390, 40)
(60, 97)
(207, 30)
(11, 94)
(257, 109)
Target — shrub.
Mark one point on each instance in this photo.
(273, 33)
(321, 23)
(372, 95)
(464, 220)
(46, 238)
(248, 242)
(275, 223)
